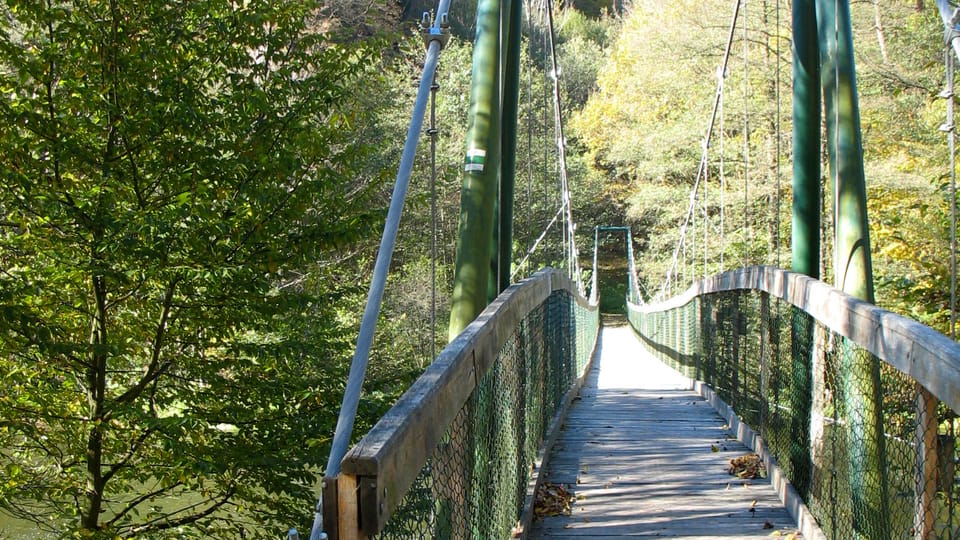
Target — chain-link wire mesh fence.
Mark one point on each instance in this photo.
(474, 482)
(871, 452)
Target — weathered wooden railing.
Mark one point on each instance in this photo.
(453, 457)
(820, 376)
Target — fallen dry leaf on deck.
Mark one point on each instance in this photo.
(552, 500)
(747, 466)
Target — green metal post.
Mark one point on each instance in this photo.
(806, 140)
(479, 191)
(852, 267)
(511, 97)
(852, 263)
(806, 225)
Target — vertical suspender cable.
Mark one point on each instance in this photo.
(693, 235)
(545, 189)
(706, 218)
(837, 262)
(529, 115)
(950, 18)
(747, 232)
(776, 244)
(950, 129)
(721, 75)
(358, 366)
(432, 131)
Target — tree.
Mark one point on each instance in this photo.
(177, 182)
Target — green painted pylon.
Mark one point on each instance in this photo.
(479, 189)
(853, 271)
(806, 227)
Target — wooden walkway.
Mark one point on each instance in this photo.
(644, 455)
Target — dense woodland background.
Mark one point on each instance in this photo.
(192, 195)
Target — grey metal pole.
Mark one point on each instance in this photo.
(371, 312)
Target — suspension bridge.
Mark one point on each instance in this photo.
(757, 402)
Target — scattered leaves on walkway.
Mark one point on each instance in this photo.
(552, 500)
(747, 466)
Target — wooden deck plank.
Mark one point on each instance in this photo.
(646, 456)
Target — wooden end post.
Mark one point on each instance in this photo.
(330, 513)
(348, 520)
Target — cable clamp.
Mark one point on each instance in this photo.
(947, 127)
(439, 33)
(946, 93)
(952, 31)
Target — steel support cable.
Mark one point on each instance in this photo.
(595, 272)
(529, 115)
(747, 229)
(632, 268)
(950, 18)
(432, 132)
(536, 243)
(778, 148)
(574, 267)
(545, 187)
(706, 219)
(951, 141)
(561, 210)
(723, 175)
(371, 312)
(693, 236)
(706, 141)
(837, 254)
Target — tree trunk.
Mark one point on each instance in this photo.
(96, 389)
(878, 25)
(97, 370)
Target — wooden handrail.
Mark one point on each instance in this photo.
(388, 459)
(929, 357)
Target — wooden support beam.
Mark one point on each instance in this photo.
(925, 476)
(331, 515)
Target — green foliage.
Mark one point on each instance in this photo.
(913, 254)
(645, 121)
(577, 23)
(580, 61)
(172, 172)
(644, 127)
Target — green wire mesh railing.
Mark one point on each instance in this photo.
(843, 394)
(453, 458)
